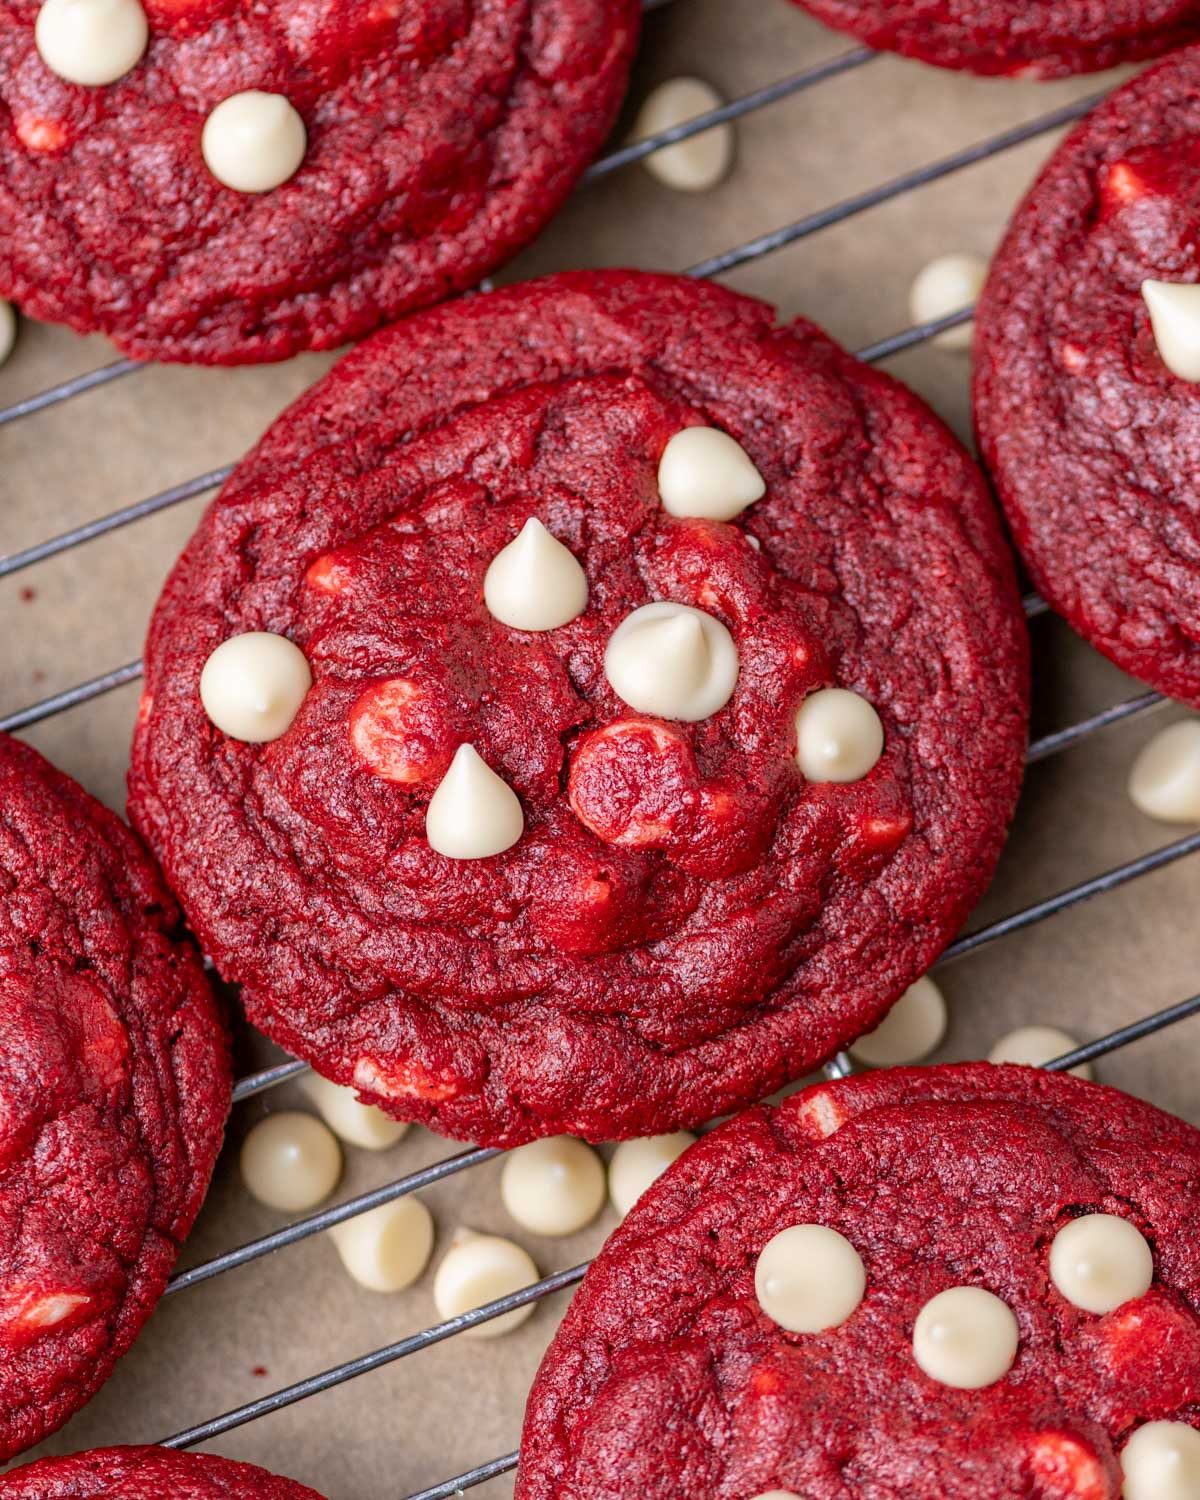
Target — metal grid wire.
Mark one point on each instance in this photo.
(1028, 917)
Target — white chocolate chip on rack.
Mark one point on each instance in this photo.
(1034, 1046)
(8, 329)
(482, 1268)
(254, 142)
(1099, 1262)
(966, 1338)
(291, 1161)
(554, 1186)
(1165, 780)
(672, 661)
(637, 1164)
(839, 736)
(1175, 320)
(911, 1030)
(809, 1278)
(1161, 1461)
(252, 686)
(535, 583)
(387, 1248)
(353, 1122)
(473, 814)
(949, 284)
(706, 474)
(701, 161)
(91, 42)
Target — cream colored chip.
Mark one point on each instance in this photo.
(839, 736)
(482, 1268)
(948, 285)
(1033, 1046)
(535, 583)
(387, 1248)
(91, 42)
(254, 142)
(701, 161)
(473, 814)
(704, 473)
(911, 1030)
(966, 1338)
(637, 1164)
(252, 686)
(1175, 319)
(553, 1186)
(355, 1123)
(809, 1278)
(291, 1161)
(672, 661)
(8, 329)
(1161, 1461)
(1165, 780)
(1099, 1262)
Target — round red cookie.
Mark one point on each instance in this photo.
(685, 922)
(114, 1086)
(667, 1377)
(442, 135)
(147, 1474)
(1029, 38)
(1091, 440)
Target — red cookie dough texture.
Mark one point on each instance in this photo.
(441, 136)
(1092, 442)
(685, 922)
(146, 1474)
(668, 1377)
(114, 1086)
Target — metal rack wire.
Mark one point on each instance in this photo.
(971, 942)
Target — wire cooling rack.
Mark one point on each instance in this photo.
(1017, 922)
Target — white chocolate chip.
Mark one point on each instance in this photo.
(8, 329)
(535, 583)
(53, 1308)
(252, 686)
(91, 42)
(672, 661)
(701, 161)
(1033, 1046)
(911, 1030)
(254, 142)
(473, 814)
(966, 1338)
(481, 1268)
(357, 1124)
(1099, 1262)
(387, 1248)
(948, 285)
(1165, 780)
(553, 1187)
(637, 1164)
(706, 473)
(1161, 1461)
(839, 736)
(809, 1278)
(291, 1161)
(1175, 320)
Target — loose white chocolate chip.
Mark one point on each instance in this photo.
(291, 1161)
(535, 583)
(387, 1248)
(481, 1268)
(911, 1030)
(554, 1186)
(699, 162)
(8, 329)
(966, 1338)
(1175, 319)
(473, 814)
(839, 736)
(357, 1124)
(672, 661)
(1034, 1046)
(707, 474)
(91, 42)
(1165, 780)
(949, 284)
(252, 686)
(809, 1278)
(254, 142)
(637, 1164)
(1161, 1461)
(1100, 1262)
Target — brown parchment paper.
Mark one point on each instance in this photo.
(244, 1335)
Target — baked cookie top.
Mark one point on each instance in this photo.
(147, 1474)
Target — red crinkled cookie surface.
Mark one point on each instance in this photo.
(147, 1474)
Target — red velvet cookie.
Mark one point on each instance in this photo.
(1030, 38)
(114, 1086)
(718, 1349)
(147, 1474)
(422, 143)
(674, 917)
